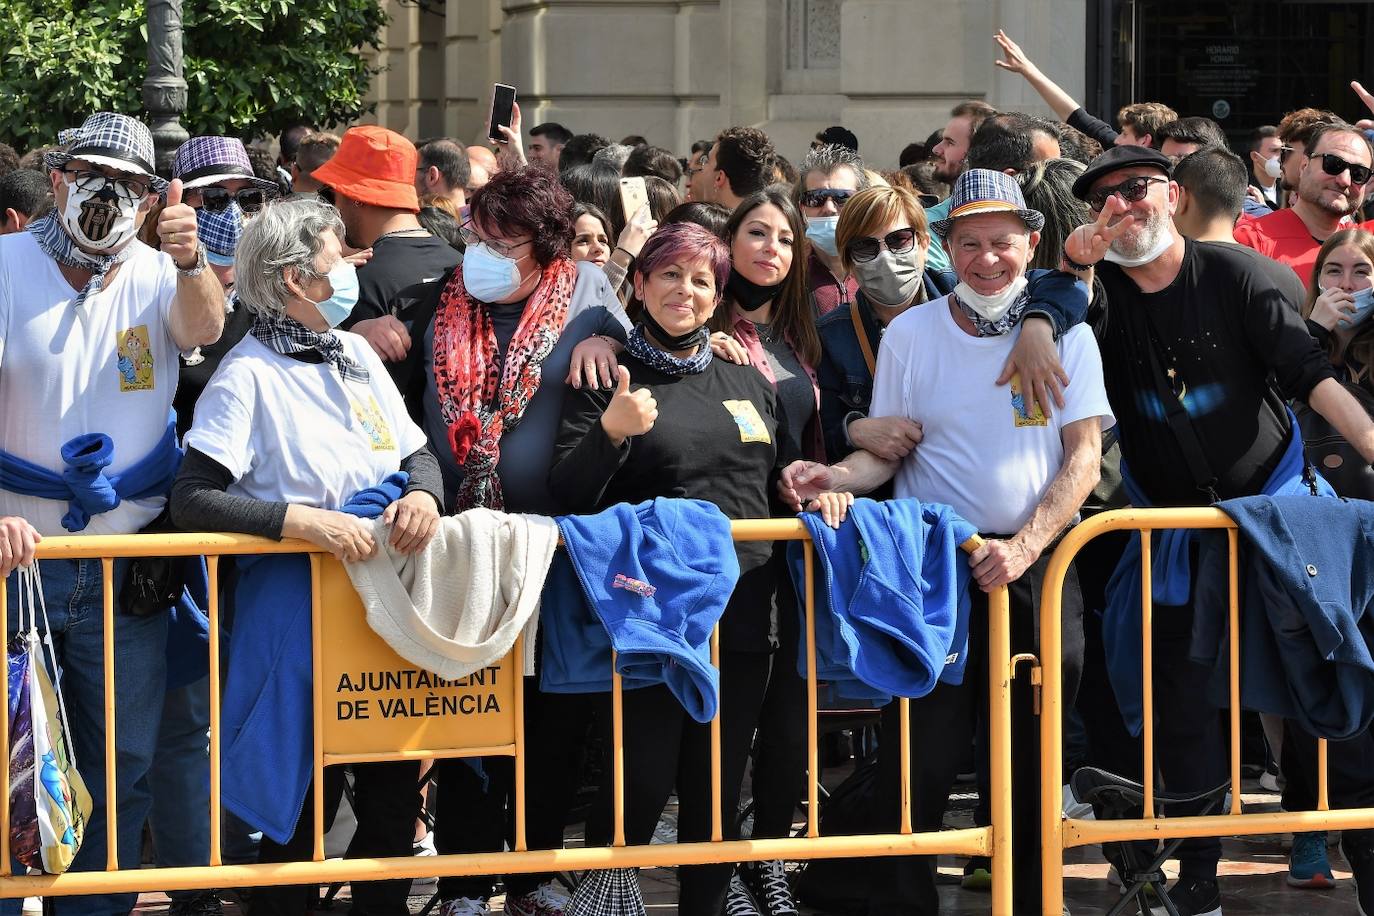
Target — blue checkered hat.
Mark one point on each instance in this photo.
(220, 232)
(987, 191)
(111, 139)
(202, 161)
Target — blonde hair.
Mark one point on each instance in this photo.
(869, 211)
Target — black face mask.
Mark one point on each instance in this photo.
(748, 295)
(698, 336)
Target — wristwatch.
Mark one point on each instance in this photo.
(199, 266)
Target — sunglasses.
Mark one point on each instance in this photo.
(250, 200)
(818, 197)
(1131, 190)
(1284, 153)
(1334, 165)
(130, 189)
(897, 241)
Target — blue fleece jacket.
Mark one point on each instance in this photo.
(892, 615)
(1306, 590)
(1171, 578)
(267, 706)
(657, 576)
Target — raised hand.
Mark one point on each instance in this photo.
(630, 413)
(1013, 58)
(176, 228)
(1088, 244)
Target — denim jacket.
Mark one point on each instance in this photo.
(847, 385)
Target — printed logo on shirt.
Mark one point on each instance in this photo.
(640, 588)
(1020, 416)
(135, 363)
(369, 417)
(751, 426)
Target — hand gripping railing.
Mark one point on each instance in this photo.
(1059, 833)
(993, 841)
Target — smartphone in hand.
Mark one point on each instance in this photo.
(633, 195)
(502, 110)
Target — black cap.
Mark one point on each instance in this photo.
(839, 136)
(1119, 157)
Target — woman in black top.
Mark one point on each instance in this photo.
(692, 427)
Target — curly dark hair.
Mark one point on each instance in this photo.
(527, 201)
(745, 155)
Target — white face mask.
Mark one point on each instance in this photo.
(99, 220)
(1163, 239)
(1273, 168)
(995, 305)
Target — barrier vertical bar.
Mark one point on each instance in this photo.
(1233, 611)
(317, 690)
(517, 664)
(904, 736)
(212, 613)
(617, 754)
(813, 766)
(999, 735)
(111, 796)
(1147, 714)
(716, 833)
(1051, 733)
(5, 867)
(1323, 801)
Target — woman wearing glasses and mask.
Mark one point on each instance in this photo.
(882, 236)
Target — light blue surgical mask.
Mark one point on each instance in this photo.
(488, 276)
(821, 231)
(343, 277)
(1364, 305)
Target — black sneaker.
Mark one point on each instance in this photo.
(206, 903)
(767, 882)
(1193, 897)
(1358, 846)
(738, 900)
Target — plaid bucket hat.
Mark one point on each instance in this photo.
(987, 191)
(111, 139)
(202, 161)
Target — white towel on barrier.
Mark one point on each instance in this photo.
(459, 604)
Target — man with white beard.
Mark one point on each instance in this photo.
(1190, 334)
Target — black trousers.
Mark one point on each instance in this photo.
(664, 747)
(1350, 770)
(475, 811)
(386, 798)
(943, 723)
(779, 758)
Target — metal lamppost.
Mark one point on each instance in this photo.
(164, 91)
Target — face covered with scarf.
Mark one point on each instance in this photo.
(101, 207)
(990, 253)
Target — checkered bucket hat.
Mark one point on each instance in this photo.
(202, 161)
(111, 139)
(986, 191)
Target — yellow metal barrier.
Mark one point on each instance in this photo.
(341, 642)
(1059, 833)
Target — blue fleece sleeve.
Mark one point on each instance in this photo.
(1059, 297)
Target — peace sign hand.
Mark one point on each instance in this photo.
(1088, 244)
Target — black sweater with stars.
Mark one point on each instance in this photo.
(1223, 334)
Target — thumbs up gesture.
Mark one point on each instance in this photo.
(176, 228)
(630, 413)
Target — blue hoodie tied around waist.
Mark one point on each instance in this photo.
(1306, 589)
(267, 707)
(1171, 577)
(657, 577)
(892, 618)
(83, 483)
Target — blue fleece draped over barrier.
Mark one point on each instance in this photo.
(1171, 577)
(267, 708)
(657, 576)
(83, 483)
(892, 615)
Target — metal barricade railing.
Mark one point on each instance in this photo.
(1059, 833)
(993, 841)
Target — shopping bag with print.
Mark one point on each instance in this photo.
(49, 803)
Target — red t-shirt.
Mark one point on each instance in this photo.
(1283, 236)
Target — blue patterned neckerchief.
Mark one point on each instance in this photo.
(639, 347)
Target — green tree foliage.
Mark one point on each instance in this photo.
(253, 67)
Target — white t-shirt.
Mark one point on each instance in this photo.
(293, 431)
(980, 454)
(109, 367)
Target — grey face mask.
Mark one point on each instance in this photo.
(890, 279)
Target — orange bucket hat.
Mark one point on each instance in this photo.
(373, 165)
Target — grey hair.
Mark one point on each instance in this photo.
(286, 235)
(613, 155)
(826, 159)
(1048, 187)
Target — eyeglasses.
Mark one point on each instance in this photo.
(1284, 153)
(504, 249)
(818, 197)
(897, 241)
(1131, 190)
(1334, 165)
(250, 200)
(129, 189)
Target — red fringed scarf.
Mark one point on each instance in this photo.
(481, 398)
